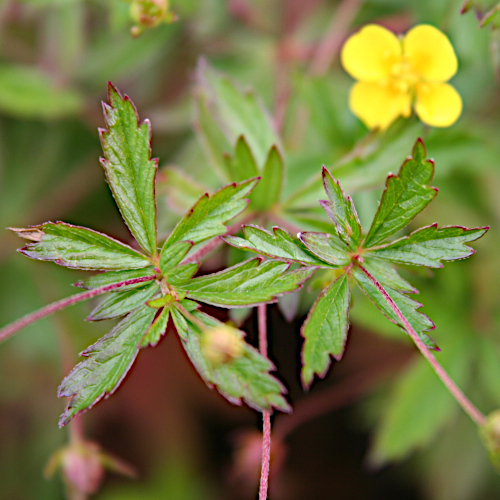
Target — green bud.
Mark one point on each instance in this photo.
(490, 432)
(222, 344)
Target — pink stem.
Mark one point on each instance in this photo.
(455, 391)
(14, 327)
(266, 415)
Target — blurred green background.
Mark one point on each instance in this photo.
(380, 423)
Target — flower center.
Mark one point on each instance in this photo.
(403, 77)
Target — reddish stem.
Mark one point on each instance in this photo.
(14, 327)
(266, 415)
(455, 391)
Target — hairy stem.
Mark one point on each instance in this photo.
(266, 415)
(455, 391)
(30, 318)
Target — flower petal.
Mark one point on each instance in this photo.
(430, 53)
(438, 104)
(378, 105)
(370, 54)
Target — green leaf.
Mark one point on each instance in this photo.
(245, 378)
(157, 328)
(181, 274)
(387, 275)
(341, 210)
(130, 171)
(325, 330)
(215, 143)
(107, 363)
(118, 304)
(236, 113)
(113, 277)
(172, 255)
(430, 245)
(405, 196)
(329, 248)
(268, 192)
(30, 92)
(207, 218)
(79, 248)
(247, 283)
(242, 165)
(420, 322)
(279, 245)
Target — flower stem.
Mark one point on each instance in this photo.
(266, 415)
(30, 318)
(467, 405)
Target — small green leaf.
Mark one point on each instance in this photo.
(79, 248)
(172, 255)
(113, 277)
(157, 328)
(328, 247)
(245, 378)
(107, 363)
(207, 218)
(430, 245)
(242, 165)
(120, 303)
(130, 171)
(341, 210)
(325, 330)
(420, 322)
(247, 283)
(405, 196)
(279, 245)
(268, 192)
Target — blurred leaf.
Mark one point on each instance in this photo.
(325, 330)
(130, 171)
(268, 192)
(242, 165)
(79, 248)
(246, 378)
(107, 363)
(29, 93)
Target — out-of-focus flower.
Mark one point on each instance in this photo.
(395, 74)
(149, 14)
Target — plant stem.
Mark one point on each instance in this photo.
(455, 391)
(266, 415)
(30, 318)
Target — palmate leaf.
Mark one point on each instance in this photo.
(247, 283)
(79, 248)
(325, 330)
(268, 192)
(207, 218)
(157, 328)
(405, 196)
(113, 277)
(278, 245)
(107, 363)
(328, 247)
(130, 171)
(245, 378)
(430, 245)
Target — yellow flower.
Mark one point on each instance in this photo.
(395, 73)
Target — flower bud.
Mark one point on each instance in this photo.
(222, 344)
(490, 432)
